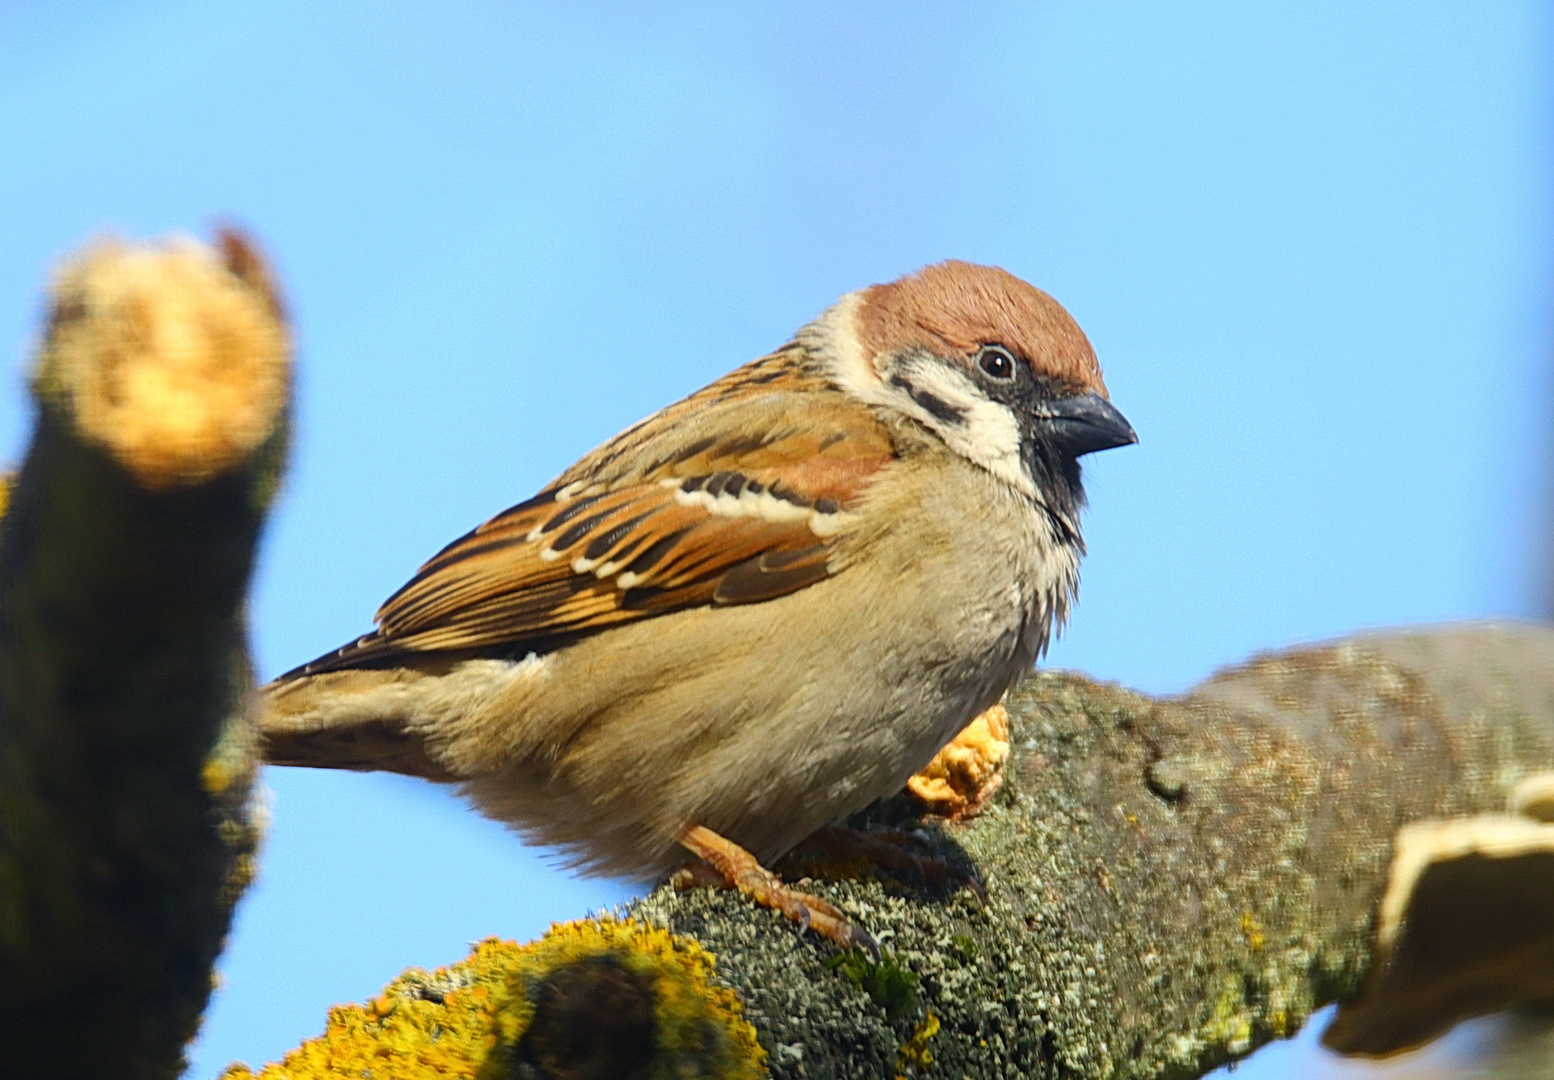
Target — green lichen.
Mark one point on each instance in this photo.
(965, 946)
(888, 984)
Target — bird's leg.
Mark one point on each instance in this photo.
(741, 870)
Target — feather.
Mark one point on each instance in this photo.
(731, 496)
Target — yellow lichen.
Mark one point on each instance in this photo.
(215, 776)
(1230, 1024)
(915, 1054)
(466, 1020)
(1252, 931)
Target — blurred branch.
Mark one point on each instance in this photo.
(125, 754)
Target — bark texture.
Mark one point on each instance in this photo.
(125, 752)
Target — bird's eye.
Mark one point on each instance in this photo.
(996, 362)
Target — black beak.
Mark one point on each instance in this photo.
(1083, 424)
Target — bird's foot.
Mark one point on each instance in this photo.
(855, 852)
(739, 869)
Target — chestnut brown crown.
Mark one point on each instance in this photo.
(953, 308)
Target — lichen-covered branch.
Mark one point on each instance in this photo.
(125, 552)
(1166, 884)
(1170, 883)
(592, 1000)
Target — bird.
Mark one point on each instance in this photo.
(754, 612)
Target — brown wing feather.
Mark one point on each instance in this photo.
(727, 497)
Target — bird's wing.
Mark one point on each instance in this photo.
(731, 496)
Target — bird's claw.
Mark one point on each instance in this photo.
(741, 870)
(862, 939)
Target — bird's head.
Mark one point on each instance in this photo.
(993, 366)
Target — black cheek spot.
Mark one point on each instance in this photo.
(934, 405)
(938, 407)
(827, 506)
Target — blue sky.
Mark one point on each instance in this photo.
(1310, 242)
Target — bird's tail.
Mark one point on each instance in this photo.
(357, 719)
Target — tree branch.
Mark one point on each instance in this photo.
(1171, 882)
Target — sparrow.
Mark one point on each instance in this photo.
(754, 612)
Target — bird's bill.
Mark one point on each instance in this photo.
(1084, 423)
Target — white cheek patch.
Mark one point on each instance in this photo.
(985, 431)
(834, 336)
